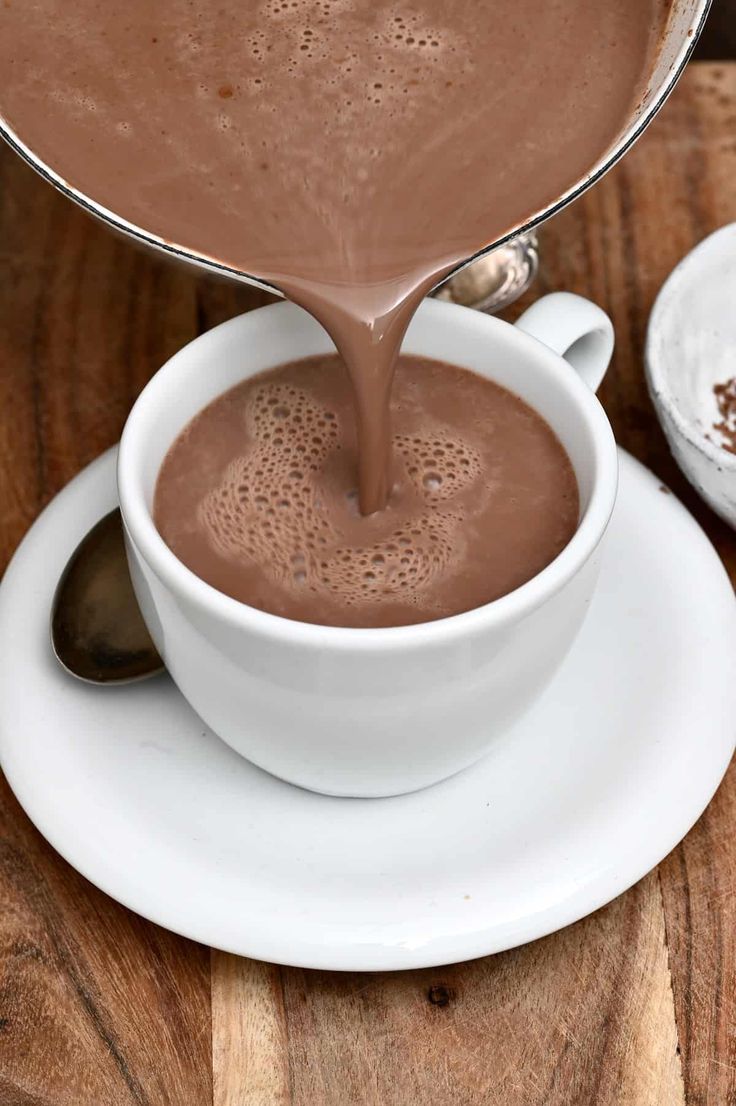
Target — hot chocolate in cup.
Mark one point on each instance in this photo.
(376, 711)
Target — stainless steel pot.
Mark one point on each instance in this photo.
(685, 23)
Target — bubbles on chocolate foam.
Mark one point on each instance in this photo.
(266, 507)
(272, 508)
(74, 99)
(379, 61)
(439, 466)
(400, 568)
(358, 63)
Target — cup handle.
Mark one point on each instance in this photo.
(576, 329)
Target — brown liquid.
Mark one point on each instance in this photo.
(351, 152)
(257, 496)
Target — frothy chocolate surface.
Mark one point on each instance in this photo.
(258, 496)
(349, 151)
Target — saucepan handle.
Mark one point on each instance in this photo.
(576, 329)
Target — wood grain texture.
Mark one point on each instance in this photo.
(634, 1006)
(582, 1017)
(250, 1033)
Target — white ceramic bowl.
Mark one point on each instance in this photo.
(691, 346)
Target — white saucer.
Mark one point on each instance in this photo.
(586, 795)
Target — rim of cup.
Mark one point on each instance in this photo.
(506, 609)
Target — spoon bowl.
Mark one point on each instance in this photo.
(97, 630)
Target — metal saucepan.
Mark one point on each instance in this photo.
(684, 24)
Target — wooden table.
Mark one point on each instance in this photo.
(634, 1005)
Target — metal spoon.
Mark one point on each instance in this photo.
(97, 630)
(497, 278)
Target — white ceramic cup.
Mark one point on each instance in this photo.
(373, 712)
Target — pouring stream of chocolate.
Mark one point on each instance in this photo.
(350, 152)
